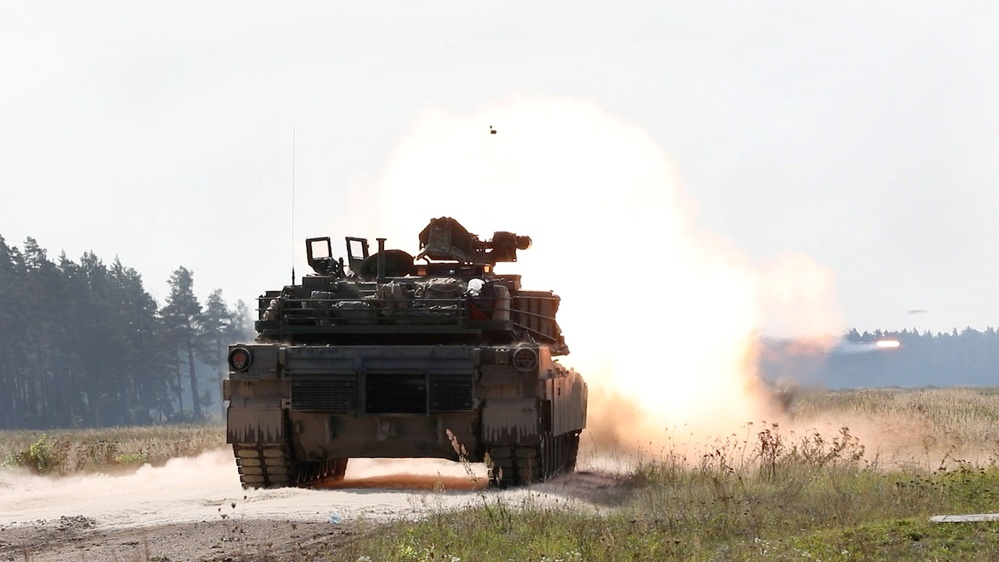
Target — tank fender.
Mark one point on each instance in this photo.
(508, 420)
(255, 420)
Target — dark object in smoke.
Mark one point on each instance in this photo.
(784, 394)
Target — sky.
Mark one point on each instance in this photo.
(851, 142)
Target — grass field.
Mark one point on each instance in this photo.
(843, 476)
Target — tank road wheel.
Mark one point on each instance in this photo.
(263, 465)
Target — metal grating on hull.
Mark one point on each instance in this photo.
(385, 394)
(451, 393)
(325, 394)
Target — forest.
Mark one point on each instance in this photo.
(83, 344)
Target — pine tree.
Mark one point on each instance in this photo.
(217, 325)
(182, 319)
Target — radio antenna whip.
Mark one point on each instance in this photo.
(293, 205)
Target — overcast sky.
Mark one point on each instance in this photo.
(862, 134)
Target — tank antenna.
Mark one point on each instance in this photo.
(293, 205)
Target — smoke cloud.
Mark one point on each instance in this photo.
(662, 317)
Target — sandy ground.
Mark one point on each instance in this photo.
(195, 509)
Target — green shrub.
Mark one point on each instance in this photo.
(44, 456)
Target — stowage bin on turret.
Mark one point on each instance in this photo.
(387, 355)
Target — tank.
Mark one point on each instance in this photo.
(387, 355)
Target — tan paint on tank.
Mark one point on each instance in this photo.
(255, 420)
(507, 420)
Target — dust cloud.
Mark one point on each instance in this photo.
(206, 488)
(662, 317)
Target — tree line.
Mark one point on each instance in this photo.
(83, 344)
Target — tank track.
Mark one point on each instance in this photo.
(271, 465)
(515, 465)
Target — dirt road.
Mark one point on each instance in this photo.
(195, 509)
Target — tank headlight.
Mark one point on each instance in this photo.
(525, 359)
(240, 359)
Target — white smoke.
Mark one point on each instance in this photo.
(661, 317)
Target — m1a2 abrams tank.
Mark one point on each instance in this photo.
(388, 355)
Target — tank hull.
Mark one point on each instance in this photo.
(312, 407)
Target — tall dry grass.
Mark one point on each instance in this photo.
(72, 451)
(909, 427)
